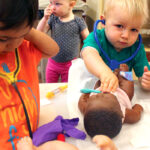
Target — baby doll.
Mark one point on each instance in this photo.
(104, 113)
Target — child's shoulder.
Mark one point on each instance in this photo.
(80, 22)
(78, 19)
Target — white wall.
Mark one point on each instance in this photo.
(95, 8)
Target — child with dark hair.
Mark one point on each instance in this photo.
(104, 113)
(21, 49)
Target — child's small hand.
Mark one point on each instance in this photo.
(48, 11)
(109, 82)
(104, 142)
(145, 81)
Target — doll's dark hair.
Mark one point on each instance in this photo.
(104, 122)
(14, 13)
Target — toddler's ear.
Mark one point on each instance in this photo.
(102, 18)
(72, 3)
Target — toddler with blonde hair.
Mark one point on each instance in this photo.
(119, 40)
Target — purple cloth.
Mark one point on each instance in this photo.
(50, 130)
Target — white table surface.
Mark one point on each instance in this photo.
(58, 106)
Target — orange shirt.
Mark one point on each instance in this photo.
(20, 66)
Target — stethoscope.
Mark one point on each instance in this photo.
(114, 64)
(12, 80)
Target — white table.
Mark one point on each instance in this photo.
(59, 106)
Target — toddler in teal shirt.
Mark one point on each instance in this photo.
(119, 39)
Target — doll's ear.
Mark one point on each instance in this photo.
(86, 96)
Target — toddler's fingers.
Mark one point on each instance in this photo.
(112, 86)
(145, 84)
(145, 81)
(104, 86)
(115, 86)
(146, 69)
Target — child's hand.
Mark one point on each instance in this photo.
(104, 142)
(48, 11)
(145, 81)
(109, 82)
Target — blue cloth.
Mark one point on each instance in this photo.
(50, 130)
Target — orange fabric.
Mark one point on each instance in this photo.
(13, 123)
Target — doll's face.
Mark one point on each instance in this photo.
(100, 101)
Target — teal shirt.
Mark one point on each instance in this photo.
(137, 63)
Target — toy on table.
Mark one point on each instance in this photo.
(52, 93)
(61, 137)
(89, 91)
(59, 129)
(127, 75)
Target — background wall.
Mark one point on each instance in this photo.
(94, 11)
(95, 8)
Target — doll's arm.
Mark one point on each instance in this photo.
(133, 115)
(104, 142)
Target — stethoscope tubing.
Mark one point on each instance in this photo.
(104, 53)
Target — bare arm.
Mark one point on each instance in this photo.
(43, 24)
(96, 65)
(43, 42)
(133, 115)
(84, 33)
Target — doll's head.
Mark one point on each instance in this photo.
(102, 114)
(102, 122)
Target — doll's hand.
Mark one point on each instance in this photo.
(145, 81)
(138, 107)
(48, 11)
(109, 82)
(104, 142)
